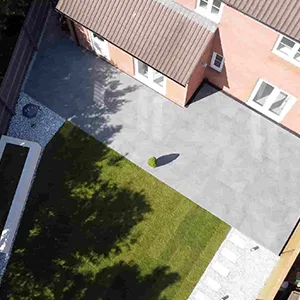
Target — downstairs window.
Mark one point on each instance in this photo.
(270, 100)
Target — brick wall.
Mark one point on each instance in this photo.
(121, 59)
(247, 47)
(176, 92)
(83, 36)
(199, 72)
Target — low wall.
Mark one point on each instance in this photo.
(286, 261)
(19, 201)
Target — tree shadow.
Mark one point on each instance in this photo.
(166, 159)
(76, 84)
(74, 220)
(128, 283)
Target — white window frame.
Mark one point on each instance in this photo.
(290, 58)
(106, 54)
(265, 108)
(207, 11)
(150, 81)
(213, 58)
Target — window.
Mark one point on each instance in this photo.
(217, 62)
(211, 9)
(288, 50)
(143, 69)
(270, 100)
(99, 44)
(149, 76)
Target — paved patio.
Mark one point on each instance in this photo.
(233, 162)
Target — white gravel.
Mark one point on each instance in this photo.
(239, 276)
(46, 124)
(40, 129)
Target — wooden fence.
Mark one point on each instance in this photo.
(26, 46)
(287, 258)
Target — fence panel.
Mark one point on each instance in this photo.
(26, 46)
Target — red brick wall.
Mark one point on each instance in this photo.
(292, 119)
(247, 47)
(175, 92)
(199, 72)
(121, 59)
(83, 36)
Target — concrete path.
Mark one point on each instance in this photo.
(233, 162)
(238, 271)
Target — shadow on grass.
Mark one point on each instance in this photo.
(74, 221)
(130, 284)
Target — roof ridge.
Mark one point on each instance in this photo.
(189, 14)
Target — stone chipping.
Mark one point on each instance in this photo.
(40, 129)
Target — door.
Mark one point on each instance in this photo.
(99, 45)
(150, 77)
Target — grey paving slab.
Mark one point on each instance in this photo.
(233, 162)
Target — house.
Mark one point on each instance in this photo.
(248, 48)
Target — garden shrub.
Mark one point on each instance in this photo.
(152, 162)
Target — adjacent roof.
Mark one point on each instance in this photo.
(161, 33)
(282, 15)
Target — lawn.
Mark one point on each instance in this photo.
(96, 226)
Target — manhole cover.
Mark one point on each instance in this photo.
(30, 110)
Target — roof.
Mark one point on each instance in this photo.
(161, 33)
(282, 15)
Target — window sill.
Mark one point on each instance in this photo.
(271, 115)
(286, 58)
(216, 69)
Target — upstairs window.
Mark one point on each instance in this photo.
(211, 9)
(288, 49)
(217, 62)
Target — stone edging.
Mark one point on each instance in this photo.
(18, 204)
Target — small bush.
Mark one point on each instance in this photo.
(152, 162)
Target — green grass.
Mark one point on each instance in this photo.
(96, 226)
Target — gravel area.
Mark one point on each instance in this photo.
(40, 129)
(3, 263)
(238, 270)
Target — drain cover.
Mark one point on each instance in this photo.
(30, 110)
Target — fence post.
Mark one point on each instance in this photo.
(34, 45)
(6, 106)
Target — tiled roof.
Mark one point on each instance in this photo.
(282, 15)
(161, 33)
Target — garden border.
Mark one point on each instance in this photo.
(20, 197)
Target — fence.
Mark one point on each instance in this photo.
(26, 46)
(287, 258)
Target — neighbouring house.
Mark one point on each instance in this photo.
(248, 48)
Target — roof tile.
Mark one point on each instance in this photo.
(161, 33)
(281, 15)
